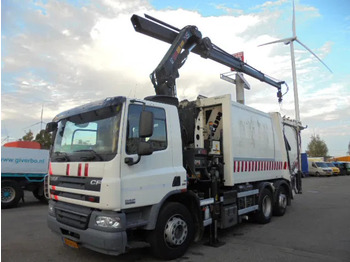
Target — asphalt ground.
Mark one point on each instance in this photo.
(316, 227)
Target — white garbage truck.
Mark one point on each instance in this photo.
(160, 171)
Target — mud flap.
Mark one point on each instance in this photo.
(298, 183)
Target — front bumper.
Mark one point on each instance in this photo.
(111, 242)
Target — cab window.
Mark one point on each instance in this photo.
(159, 137)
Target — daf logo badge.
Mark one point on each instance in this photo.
(95, 182)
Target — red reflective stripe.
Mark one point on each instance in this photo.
(56, 197)
(53, 187)
(253, 166)
(68, 170)
(86, 170)
(50, 169)
(79, 169)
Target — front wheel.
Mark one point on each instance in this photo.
(11, 193)
(173, 233)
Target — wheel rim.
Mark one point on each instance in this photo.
(266, 206)
(282, 200)
(176, 231)
(7, 194)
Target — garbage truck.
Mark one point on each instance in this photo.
(23, 167)
(162, 171)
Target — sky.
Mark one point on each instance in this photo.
(56, 55)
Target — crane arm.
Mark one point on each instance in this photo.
(184, 41)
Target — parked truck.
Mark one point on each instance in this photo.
(23, 167)
(304, 164)
(161, 171)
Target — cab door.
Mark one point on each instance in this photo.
(149, 180)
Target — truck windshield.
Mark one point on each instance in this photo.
(330, 165)
(90, 136)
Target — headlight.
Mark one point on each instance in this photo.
(52, 210)
(109, 222)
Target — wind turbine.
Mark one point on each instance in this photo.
(41, 120)
(290, 41)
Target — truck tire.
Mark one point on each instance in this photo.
(173, 233)
(11, 193)
(264, 213)
(38, 193)
(281, 201)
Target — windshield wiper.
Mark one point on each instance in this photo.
(64, 156)
(95, 154)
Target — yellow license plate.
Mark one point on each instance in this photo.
(70, 243)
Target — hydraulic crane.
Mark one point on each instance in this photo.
(189, 39)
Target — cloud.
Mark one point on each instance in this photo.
(229, 10)
(61, 55)
(269, 4)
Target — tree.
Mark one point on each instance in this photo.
(28, 136)
(44, 139)
(348, 149)
(317, 147)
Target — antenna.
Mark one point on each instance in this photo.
(290, 41)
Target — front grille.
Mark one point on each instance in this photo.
(82, 183)
(81, 197)
(73, 215)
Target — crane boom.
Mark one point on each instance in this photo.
(184, 41)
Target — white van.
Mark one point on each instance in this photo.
(319, 168)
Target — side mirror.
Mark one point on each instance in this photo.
(313, 164)
(146, 124)
(51, 126)
(144, 149)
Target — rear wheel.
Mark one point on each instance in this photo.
(281, 201)
(11, 193)
(264, 213)
(173, 233)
